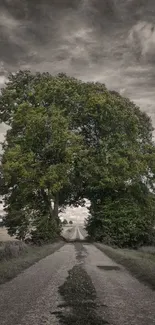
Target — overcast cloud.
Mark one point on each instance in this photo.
(107, 40)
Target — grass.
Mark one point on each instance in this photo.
(140, 263)
(9, 250)
(19, 256)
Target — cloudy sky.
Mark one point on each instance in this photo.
(107, 40)
(77, 215)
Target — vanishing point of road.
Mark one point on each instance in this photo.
(76, 285)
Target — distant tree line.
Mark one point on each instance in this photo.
(65, 222)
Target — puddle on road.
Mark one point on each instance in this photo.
(79, 295)
(109, 267)
(79, 305)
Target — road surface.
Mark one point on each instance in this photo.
(74, 232)
(77, 285)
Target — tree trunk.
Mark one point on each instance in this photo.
(48, 202)
(53, 211)
(56, 206)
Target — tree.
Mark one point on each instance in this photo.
(71, 222)
(120, 172)
(116, 170)
(70, 140)
(37, 165)
(65, 222)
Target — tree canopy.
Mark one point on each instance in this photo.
(69, 140)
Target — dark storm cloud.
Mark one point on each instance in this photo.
(107, 40)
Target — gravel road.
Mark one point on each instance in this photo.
(76, 285)
(74, 232)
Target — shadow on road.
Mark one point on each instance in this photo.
(79, 296)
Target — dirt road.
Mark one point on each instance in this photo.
(80, 285)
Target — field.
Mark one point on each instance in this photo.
(4, 235)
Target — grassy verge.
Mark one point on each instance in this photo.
(12, 266)
(141, 263)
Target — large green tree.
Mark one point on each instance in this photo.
(120, 175)
(70, 140)
(39, 154)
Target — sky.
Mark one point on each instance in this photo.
(77, 215)
(111, 41)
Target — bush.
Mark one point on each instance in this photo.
(122, 222)
(12, 249)
(123, 232)
(46, 231)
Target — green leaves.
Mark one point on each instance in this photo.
(39, 150)
(69, 140)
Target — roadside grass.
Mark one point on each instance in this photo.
(11, 249)
(140, 263)
(19, 256)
